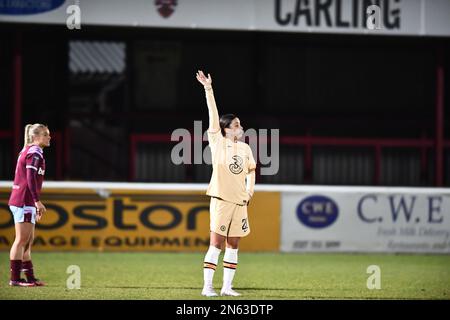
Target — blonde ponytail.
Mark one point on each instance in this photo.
(32, 130)
(26, 135)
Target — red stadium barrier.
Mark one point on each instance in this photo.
(308, 142)
(62, 149)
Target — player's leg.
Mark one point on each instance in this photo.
(239, 228)
(23, 232)
(210, 263)
(218, 218)
(27, 264)
(230, 261)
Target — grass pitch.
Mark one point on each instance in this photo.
(259, 276)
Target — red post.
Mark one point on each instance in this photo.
(439, 119)
(17, 95)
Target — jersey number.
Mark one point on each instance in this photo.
(244, 225)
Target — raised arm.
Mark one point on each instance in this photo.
(214, 125)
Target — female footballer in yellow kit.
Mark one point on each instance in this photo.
(231, 188)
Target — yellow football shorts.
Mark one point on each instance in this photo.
(228, 219)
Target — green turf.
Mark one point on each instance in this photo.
(259, 276)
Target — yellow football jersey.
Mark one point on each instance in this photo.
(231, 162)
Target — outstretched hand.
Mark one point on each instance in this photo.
(205, 81)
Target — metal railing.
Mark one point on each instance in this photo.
(307, 149)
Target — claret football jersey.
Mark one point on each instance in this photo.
(31, 159)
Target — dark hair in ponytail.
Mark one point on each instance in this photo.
(225, 121)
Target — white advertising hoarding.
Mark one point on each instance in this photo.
(366, 220)
(396, 17)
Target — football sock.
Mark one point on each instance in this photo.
(230, 260)
(16, 266)
(209, 265)
(27, 267)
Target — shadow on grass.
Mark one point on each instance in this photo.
(199, 288)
